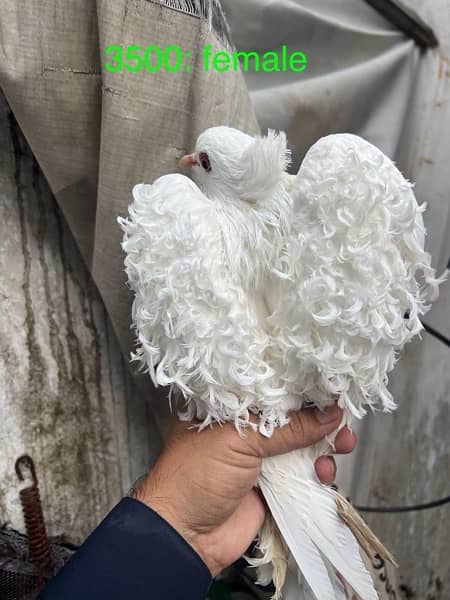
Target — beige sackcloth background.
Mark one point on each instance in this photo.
(65, 397)
(95, 133)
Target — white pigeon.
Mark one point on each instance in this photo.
(257, 292)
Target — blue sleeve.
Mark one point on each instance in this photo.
(133, 553)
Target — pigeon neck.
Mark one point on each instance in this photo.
(255, 231)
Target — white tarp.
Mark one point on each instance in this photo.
(366, 77)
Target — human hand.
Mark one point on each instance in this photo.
(203, 483)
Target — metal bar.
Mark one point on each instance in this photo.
(407, 21)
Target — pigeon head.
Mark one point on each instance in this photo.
(229, 164)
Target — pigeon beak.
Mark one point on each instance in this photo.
(188, 160)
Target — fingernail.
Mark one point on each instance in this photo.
(328, 414)
(325, 468)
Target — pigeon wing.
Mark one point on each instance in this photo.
(345, 296)
(196, 328)
(356, 277)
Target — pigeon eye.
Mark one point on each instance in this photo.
(204, 161)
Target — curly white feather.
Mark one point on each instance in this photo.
(245, 301)
(190, 262)
(356, 277)
(258, 290)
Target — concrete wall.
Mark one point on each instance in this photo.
(65, 395)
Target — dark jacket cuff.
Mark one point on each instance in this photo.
(133, 553)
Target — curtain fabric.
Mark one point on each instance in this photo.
(96, 133)
(366, 77)
(65, 397)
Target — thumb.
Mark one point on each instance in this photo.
(305, 427)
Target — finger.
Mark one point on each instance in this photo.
(345, 441)
(305, 427)
(325, 467)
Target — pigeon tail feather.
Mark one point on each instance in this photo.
(306, 514)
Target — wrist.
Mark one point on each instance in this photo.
(171, 510)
